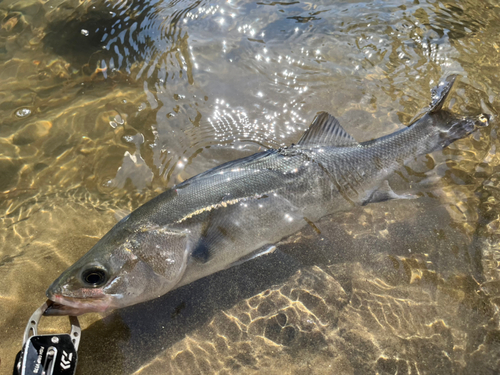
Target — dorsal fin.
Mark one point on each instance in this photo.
(440, 93)
(325, 130)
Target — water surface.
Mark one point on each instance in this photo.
(105, 104)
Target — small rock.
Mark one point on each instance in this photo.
(23, 112)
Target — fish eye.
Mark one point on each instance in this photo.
(94, 277)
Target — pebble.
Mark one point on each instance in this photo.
(23, 112)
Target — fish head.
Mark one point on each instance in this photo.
(127, 266)
(450, 127)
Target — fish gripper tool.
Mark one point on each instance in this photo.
(48, 354)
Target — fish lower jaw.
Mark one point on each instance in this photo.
(77, 306)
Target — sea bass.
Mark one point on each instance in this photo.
(236, 211)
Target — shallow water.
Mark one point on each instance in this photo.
(105, 104)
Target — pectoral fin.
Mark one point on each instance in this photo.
(201, 252)
(385, 193)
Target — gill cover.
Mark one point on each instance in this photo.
(163, 250)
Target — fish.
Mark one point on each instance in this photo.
(241, 209)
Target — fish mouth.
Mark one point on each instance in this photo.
(75, 306)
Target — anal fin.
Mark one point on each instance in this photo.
(385, 193)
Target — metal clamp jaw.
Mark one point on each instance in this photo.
(48, 354)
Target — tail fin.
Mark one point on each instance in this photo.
(440, 93)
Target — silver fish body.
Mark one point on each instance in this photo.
(236, 211)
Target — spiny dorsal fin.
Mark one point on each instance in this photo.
(440, 93)
(325, 130)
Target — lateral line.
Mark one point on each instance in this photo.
(217, 206)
